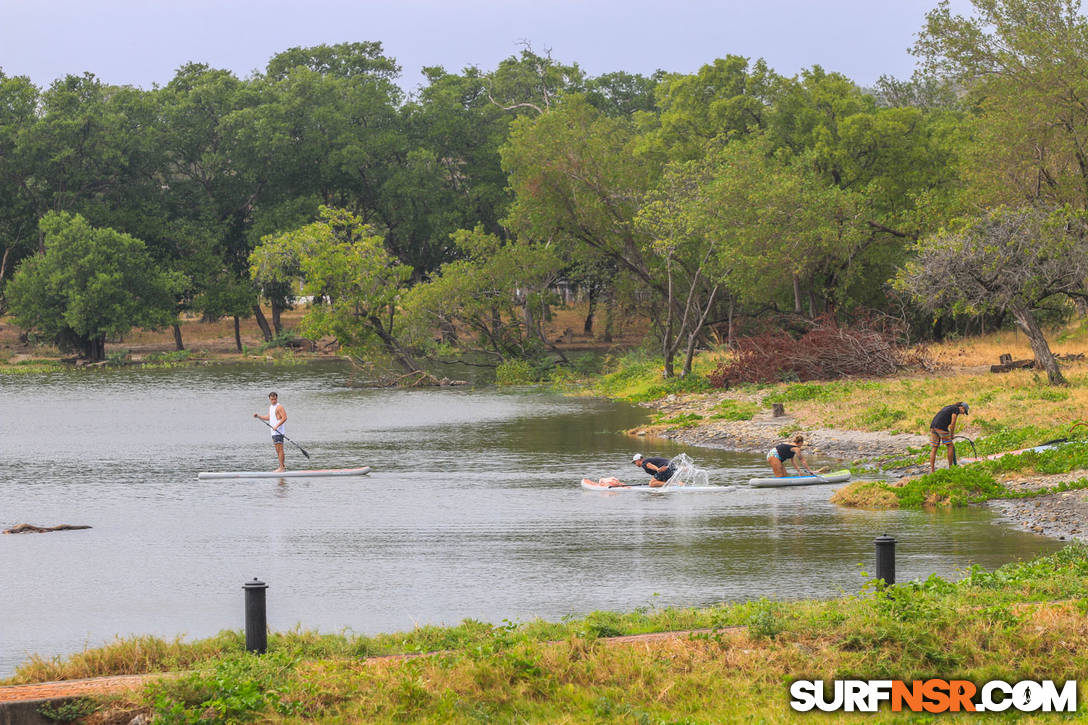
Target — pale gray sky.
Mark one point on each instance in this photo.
(142, 42)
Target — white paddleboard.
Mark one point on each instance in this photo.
(835, 477)
(591, 485)
(286, 474)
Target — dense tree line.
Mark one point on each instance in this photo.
(440, 222)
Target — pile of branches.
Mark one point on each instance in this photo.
(870, 347)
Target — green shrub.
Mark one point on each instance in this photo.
(956, 486)
(515, 372)
(280, 339)
(233, 688)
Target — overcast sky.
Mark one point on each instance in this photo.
(143, 42)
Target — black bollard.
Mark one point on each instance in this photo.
(256, 621)
(885, 558)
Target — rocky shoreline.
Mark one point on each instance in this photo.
(1062, 516)
(765, 429)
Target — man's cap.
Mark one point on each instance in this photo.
(636, 457)
(966, 409)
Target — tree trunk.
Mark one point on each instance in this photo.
(96, 349)
(237, 333)
(277, 324)
(587, 328)
(609, 315)
(729, 335)
(796, 293)
(262, 322)
(177, 336)
(1044, 358)
(392, 346)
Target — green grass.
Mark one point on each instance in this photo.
(1021, 621)
(977, 482)
(684, 420)
(638, 377)
(735, 410)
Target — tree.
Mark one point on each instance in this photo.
(18, 220)
(90, 284)
(1024, 66)
(490, 302)
(354, 281)
(726, 97)
(1008, 259)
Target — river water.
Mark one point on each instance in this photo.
(473, 510)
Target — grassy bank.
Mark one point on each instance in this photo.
(976, 482)
(1022, 621)
(904, 403)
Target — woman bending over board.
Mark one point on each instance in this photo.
(783, 452)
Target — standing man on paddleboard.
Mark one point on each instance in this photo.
(941, 430)
(660, 469)
(277, 418)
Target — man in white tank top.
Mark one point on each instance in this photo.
(277, 418)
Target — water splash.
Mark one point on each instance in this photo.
(686, 473)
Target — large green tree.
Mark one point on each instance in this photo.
(90, 284)
(355, 282)
(1024, 67)
(490, 302)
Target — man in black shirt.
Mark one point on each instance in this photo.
(941, 430)
(660, 469)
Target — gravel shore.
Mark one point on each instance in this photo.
(764, 430)
(1062, 516)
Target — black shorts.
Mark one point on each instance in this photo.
(665, 474)
(277, 438)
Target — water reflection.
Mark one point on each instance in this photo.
(473, 510)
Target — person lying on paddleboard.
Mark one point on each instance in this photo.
(783, 452)
(660, 469)
(941, 430)
(276, 418)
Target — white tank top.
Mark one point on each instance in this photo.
(272, 421)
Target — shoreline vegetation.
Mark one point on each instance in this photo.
(1024, 620)
(721, 663)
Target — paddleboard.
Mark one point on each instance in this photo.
(1002, 454)
(603, 485)
(286, 474)
(835, 477)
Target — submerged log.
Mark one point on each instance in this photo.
(32, 529)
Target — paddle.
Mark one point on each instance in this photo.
(296, 445)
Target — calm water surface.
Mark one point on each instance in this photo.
(473, 510)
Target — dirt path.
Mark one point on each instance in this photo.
(74, 688)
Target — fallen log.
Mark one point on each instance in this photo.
(32, 529)
(1012, 365)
